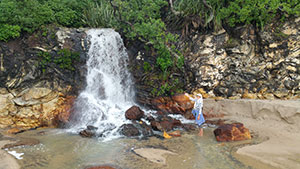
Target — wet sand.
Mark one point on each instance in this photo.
(276, 121)
(6, 160)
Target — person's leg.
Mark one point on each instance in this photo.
(200, 132)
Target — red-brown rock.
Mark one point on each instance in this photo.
(165, 124)
(134, 113)
(65, 109)
(232, 132)
(175, 133)
(177, 104)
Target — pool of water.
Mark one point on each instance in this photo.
(59, 149)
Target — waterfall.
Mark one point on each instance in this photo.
(108, 92)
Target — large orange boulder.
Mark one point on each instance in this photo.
(177, 104)
(232, 132)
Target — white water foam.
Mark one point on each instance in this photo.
(15, 154)
(109, 92)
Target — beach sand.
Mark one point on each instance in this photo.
(7, 161)
(275, 120)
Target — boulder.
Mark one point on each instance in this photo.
(129, 130)
(145, 129)
(177, 104)
(134, 113)
(232, 132)
(165, 124)
(87, 133)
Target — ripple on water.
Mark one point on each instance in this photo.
(59, 149)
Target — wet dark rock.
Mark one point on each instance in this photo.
(190, 127)
(150, 118)
(290, 84)
(92, 128)
(87, 133)
(129, 130)
(143, 128)
(232, 132)
(134, 113)
(165, 123)
(23, 142)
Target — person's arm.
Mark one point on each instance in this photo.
(191, 98)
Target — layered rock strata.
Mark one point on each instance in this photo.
(34, 91)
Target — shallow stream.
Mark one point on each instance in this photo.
(59, 149)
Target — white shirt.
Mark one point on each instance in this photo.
(198, 103)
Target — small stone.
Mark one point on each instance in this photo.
(290, 31)
(273, 45)
(291, 68)
(175, 133)
(234, 97)
(269, 96)
(87, 133)
(247, 95)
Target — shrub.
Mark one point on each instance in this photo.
(257, 12)
(9, 31)
(30, 15)
(64, 59)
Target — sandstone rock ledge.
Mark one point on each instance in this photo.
(277, 120)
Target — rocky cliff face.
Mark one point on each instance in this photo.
(35, 91)
(246, 63)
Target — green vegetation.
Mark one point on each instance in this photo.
(212, 13)
(9, 31)
(145, 21)
(258, 12)
(29, 15)
(64, 59)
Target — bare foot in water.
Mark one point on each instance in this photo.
(201, 132)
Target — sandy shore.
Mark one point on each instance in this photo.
(6, 160)
(277, 121)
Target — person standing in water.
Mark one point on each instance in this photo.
(197, 111)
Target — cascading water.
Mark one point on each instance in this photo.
(108, 93)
